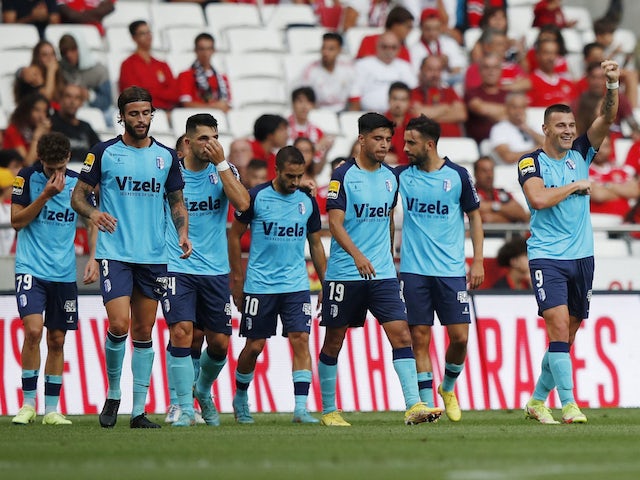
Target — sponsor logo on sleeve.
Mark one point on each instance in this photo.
(526, 166)
(18, 185)
(334, 189)
(88, 162)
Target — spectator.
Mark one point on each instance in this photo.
(548, 32)
(495, 18)
(513, 137)
(256, 173)
(240, 154)
(433, 98)
(470, 12)
(36, 12)
(270, 135)
(496, 205)
(548, 12)
(85, 11)
(591, 53)
(433, 41)
(145, 71)
(587, 105)
(416, 7)
(80, 134)
(11, 160)
(48, 82)
(303, 100)
(364, 13)
(399, 113)
(400, 22)
(612, 187)
(28, 122)
(604, 30)
(547, 86)
(374, 75)
(308, 150)
(485, 103)
(512, 77)
(80, 67)
(513, 256)
(202, 85)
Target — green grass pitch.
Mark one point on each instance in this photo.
(495, 445)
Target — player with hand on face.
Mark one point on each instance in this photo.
(46, 270)
(135, 174)
(555, 181)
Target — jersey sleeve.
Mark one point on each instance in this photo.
(528, 167)
(174, 180)
(21, 194)
(583, 146)
(313, 223)
(91, 170)
(337, 195)
(469, 199)
(249, 213)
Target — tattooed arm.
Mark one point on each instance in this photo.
(600, 127)
(180, 219)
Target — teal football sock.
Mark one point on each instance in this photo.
(141, 366)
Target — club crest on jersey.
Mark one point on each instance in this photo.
(446, 185)
(159, 163)
(213, 178)
(301, 208)
(334, 188)
(18, 185)
(88, 162)
(526, 166)
(570, 163)
(388, 186)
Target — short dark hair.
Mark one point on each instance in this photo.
(180, 142)
(134, 94)
(257, 164)
(556, 108)
(266, 124)
(482, 159)
(304, 91)
(368, 122)
(427, 127)
(8, 155)
(511, 249)
(288, 154)
(399, 86)
(333, 36)
(586, 50)
(53, 148)
(398, 16)
(200, 120)
(203, 36)
(552, 28)
(133, 26)
(603, 25)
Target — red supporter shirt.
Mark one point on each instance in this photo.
(397, 141)
(154, 76)
(436, 96)
(633, 157)
(510, 73)
(611, 174)
(188, 90)
(83, 5)
(477, 126)
(13, 138)
(270, 158)
(561, 66)
(547, 91)
(368, 48)
(543, 16)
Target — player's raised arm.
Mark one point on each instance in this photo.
(600, 127)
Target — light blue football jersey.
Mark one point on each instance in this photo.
(133, 184)
(434, 205)
(207, 205)
(45, 247)
(367, 199)
(563, 231)
(279, 226)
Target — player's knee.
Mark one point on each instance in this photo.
(33, 334)
(55, 341)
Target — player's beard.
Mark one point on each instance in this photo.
(417, 161)
(130, 129)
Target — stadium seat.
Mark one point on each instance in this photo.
(241, 120)
(170, 15)
(294, 65)
(17, 36)
(250, 39)
(6, 93)
(573, 40)
(471, 37)
(253, 65)
(304, 39)
(353, 38)
(280, 16)
(95, 118)
(160, 124)
(221, 16)
(87, 33)
(12, 60)
(179, 119)
(326, 120)
(625, 39)
(581, 14)
(535, 118)
(461, 150)
(609, 247)
(180, 39)
(126, 13)
(349, 124)
(119, 40)
(266, 92)
(520, 19)
(4, 120)
(341, 148)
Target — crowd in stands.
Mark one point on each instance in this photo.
(457, 61)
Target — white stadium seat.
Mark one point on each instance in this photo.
(15, 36)
(253, 65)
(89, 34)
(127, 12)
(169, 15)
(250, 39)
(266, 92)
(305, 39)
(179, 119)
(221, 16)
(279, 16)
